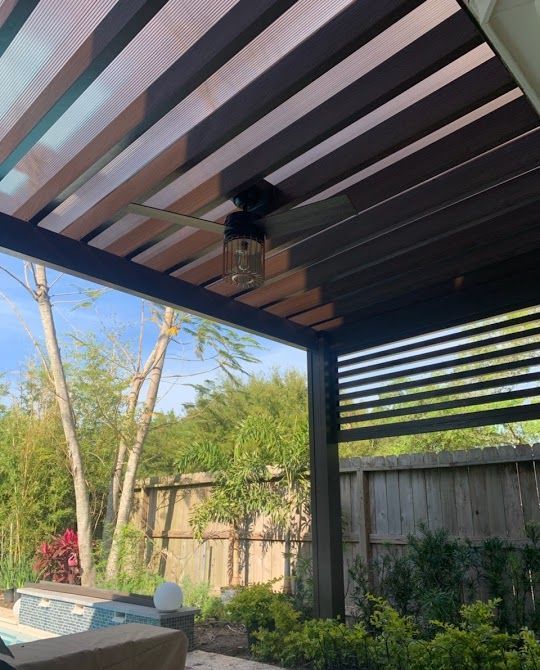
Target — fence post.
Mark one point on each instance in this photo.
(364, 518)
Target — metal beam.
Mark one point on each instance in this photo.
(20, 238)
(328, 587)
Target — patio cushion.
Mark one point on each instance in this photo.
(125, 647)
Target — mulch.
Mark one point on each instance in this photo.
(220, 637)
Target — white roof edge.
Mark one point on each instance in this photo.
(513, 27)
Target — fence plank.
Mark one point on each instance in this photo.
(529, 491)
(434, 503)
(462, 497)
(475, 494)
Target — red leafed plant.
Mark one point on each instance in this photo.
(58, 560)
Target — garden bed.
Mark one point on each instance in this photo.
(220, 637)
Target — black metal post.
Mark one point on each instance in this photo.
(325, 489)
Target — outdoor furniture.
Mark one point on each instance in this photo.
(126, 647)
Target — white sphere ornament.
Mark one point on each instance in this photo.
(168, 597)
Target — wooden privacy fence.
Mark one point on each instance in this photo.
(475, 494)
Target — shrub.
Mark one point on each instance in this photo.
(394, 642)
(200, 595)
(253, 607)
(58, 560)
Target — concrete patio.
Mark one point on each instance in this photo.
(202, 660)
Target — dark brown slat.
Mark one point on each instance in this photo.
(449, 337)
(228, 36)
(487, 292)
(462, 179)
(442, 365)
(448, 390)
(486, 240)
(452, 254)
(424, 56)
(440, 379)
(468, 420)
(448, 404)
(485, 245)
(340, 37)
(484, 83)
(468, 346)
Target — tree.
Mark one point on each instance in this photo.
(266, 473)
(121, 409)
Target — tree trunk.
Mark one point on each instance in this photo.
(82, 503)
(126, 496)
(113, 496)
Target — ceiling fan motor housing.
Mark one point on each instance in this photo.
(243, 250)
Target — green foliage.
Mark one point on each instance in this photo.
(513, 576)
(253, 606)
(134, 573)
(14, 572)
(392, 642)
(200, 595)
(220, 406)
(437, 574)
(428, 582)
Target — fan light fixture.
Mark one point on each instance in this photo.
(243, 251)
(246, 231)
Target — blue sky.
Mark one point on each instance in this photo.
(113, 309)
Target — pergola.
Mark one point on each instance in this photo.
(403, 105)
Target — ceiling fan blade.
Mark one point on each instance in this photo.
(315, 215)
(180, 220)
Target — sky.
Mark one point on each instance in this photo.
(116, 310)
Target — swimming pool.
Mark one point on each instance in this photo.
(12, 636)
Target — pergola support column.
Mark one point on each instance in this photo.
(328, 588)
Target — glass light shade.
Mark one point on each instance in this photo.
(243, 252)
(168, 597)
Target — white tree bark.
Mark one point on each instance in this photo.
(82, 504)
(154, 368)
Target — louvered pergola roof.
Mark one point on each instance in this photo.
(402, 105)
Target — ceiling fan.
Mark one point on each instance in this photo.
(245, 231)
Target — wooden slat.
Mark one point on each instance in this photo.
(433, 497)
(440, 351)
(13, 15)
(469, 420)
(462, 497)
(500, 382)
(230, 34)
(501, 397)
(529, 491)
(486, 239)
(342, 35)
(125, 19)
(459, 458)
(488, 169)
(450, 377)
(489, 291)
(409, 65)
(483, 83)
